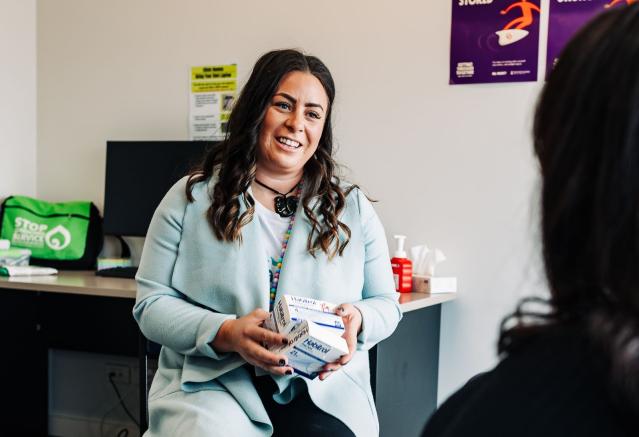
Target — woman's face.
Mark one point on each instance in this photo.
(293, 124)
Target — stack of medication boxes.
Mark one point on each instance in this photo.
(313, 330)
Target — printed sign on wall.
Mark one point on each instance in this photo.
(567, 17)
(494, 41)
(213, 91)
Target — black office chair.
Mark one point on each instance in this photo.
(148, 353)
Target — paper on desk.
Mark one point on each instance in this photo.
(27, 271)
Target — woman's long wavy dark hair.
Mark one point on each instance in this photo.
(586, 137)
(233, 160)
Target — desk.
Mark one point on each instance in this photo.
(80, 311)
(72, 311)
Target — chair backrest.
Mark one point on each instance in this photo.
(147, 357)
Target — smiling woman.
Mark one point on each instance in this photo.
(264, 215)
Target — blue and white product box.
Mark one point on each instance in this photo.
(291, 310)
(310, 347)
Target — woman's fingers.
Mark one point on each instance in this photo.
(324, 375)
(255, 342)
(263, 358)
(260, 355)
(332, 367)
(276, 364)
(344, 359)
(329, 369)
(260, 314)
(352, 322)
(279, 370)
(263, 355)
(264, 336)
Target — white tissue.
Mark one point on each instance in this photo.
(424, 260)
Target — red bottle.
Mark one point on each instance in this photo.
(402, 267)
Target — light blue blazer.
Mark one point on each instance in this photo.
(189, 283)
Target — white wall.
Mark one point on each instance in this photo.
(451, 166)
(17, 97)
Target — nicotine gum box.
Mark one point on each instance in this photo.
(434, 284)
(310, 347)
(291, 310)
(313, 330)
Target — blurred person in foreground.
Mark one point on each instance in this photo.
(570, 365)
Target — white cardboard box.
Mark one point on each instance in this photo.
(310, 347)
(314, 332)
(434, 284)
(290, 310)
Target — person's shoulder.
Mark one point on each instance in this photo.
(566, 341)
(353, 193)
(176, 194)
(357, 200)
(558, 353)
(200, 189)
(552, 383)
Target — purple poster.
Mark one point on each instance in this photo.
(567, 17)
(494, 41)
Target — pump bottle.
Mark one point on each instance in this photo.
(402, 267)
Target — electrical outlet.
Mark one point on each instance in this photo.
(118, 373)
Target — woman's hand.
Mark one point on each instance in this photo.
(246, 337)
(353, 326)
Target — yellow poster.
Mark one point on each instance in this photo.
(213, 92)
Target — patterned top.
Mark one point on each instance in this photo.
(274, 233)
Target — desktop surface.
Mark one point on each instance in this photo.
(83, 282)
(87, 283)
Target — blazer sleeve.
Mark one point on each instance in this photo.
(379, 305)
(165, 315)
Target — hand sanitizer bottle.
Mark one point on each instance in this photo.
(402, 267)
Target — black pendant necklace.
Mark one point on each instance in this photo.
(284, 206)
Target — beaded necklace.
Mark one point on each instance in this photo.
(276, 274)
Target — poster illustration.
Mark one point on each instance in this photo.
(494, 41)
(567, 17)
(213, 90)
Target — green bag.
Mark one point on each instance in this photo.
(65, 235)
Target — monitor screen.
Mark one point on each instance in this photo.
(138, 175)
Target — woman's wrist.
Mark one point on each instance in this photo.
(361, 320)
(221, 342)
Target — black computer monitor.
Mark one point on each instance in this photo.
(138, 175)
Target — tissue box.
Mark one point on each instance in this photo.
(310, 347)
(434, 284)
(15, 257)
(291, 310)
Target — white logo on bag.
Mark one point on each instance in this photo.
(31, 234)
(54, 242)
